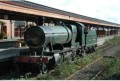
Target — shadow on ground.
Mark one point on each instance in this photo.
(114, 77)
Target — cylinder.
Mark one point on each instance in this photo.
(41, 36)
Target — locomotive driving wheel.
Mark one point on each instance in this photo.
(43, 68)
(93, 48)
(79, 52)
(73, 55)
(15, 69)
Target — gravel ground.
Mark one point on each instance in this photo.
(111, 51)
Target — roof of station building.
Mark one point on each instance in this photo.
(36, 6)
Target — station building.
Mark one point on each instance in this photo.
(14, 30)
(17, 16)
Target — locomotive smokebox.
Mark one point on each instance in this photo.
(41, 36)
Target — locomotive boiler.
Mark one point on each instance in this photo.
(50, 44)
(41, 36)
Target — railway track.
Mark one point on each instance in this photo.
(34, 76)
(88, 72)
(91, 71)
(108, 54)
(97, 74)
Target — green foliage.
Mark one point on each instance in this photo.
(1, 35)
(2, 23)
(68, 67)
(112, 68)
(112, 65)
(114, 41)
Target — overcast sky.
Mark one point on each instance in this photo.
(102, 9)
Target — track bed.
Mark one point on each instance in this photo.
(92, 70)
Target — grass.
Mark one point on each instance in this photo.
(114, 41)
(112, 71)
(68, 67)
(112, 65)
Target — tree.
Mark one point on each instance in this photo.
(2, 33)
(2, 25)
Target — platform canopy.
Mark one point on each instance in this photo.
(26, 10)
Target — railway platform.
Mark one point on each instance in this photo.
(8, 49)
(5, 54)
